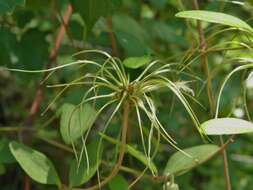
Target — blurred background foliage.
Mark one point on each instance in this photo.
(124, 28)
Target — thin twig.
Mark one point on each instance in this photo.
(204, 62)
(112, 37)
(39, 92)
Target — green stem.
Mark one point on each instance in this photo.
(15, 129)
(56, 144)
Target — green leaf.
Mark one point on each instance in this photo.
(136, 62)
(5, 153)
(227, 126)
(79, 176)
(35, 164)
(179, 163)
(130, 35)
(31, 58)
(92, 10)
(118, 183)
(8, 6)
(164, 32)
(7, 45)
(215, 17)
(135, 153)
(75, 121)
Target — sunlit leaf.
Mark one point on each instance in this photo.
(227, 126)
(179, 163)
(215, 17)
(136, 62)
(170, 186)
(75, 121)
(35, 164)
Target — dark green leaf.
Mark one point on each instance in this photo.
(79, 176)
(118, 183)
(75, 121)
(180, 163)
(164, 32)
(37, 5)
(130, 35)
(8, 6)
(29, 57)
(35, 164)
(92, 10)
(215, 17)
(5, 154)
(227, 126)
(7, 46)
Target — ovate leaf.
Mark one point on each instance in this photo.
(136, 62)
(215, 17)
(79, 176)
(35, 164)
(118, 183)
(179, 163)
(227, 126)
(8, 6)
(75, 121)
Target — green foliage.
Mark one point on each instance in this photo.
(75, 121)
(138, 53)
(136, 62)
(35, 164)
(227, 126)
(216, 17)
(180, 163)
(7, 45)
(8, 6)
(135, 153)
(88, 166)
(118, 182)
(130, 35)
(5, 154)
(92, 10)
